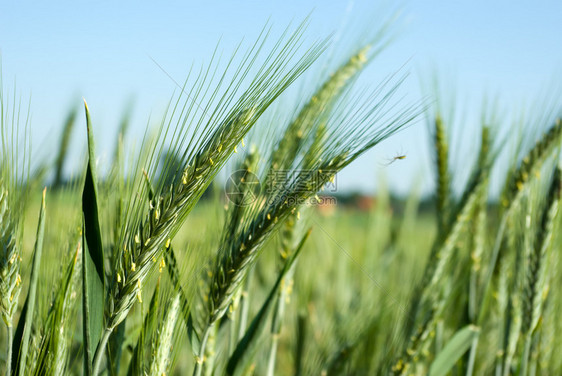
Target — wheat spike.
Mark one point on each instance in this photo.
(317, 107)
(537, 259)
(532, 161)
(145, 235)
(10, 284)
(152, 234)
(162, 355)
(443, 184)
(234, 259)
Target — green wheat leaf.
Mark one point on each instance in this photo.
(453, 350)
(93, 271)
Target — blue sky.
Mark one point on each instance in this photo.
(58, 53)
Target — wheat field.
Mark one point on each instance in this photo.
(149, 265)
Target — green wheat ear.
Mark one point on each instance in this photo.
(354, 125)
(536, 267)
(319, 105)
(532, 162)
(443, 178)
(163, 349)
(55, 344)
(14, 172)
(152, 223)
(10, 279)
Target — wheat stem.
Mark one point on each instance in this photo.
(472, 357)
(244, 305)
(272, 355)
(100, 350)
(525, 356)
(9, 355)
(199, 362)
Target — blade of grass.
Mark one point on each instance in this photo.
(245, 345)
(93, 271)
(453, 351)
(21, 339)
(115, 349)
(302, 328)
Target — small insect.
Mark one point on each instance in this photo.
(395, 158)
